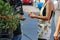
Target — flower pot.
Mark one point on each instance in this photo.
(6, 33)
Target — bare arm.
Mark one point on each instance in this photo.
(48, 13)
(57, 30)
(49, 8)
(58, 26)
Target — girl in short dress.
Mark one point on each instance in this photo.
(45, 18)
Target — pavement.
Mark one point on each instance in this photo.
(29, 26)
(30, 8)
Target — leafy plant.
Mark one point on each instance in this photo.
(8, 16)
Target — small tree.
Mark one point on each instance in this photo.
(8, 16)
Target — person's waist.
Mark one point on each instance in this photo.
(15, 34)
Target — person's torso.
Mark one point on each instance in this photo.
(14, 2)
(44, 14)
(57, 12)
(44, 27)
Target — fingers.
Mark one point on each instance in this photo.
(55, 38)
(29, 14)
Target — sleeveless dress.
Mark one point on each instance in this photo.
(44, 27)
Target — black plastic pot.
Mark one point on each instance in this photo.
(6, 34)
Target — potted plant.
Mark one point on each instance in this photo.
(8, 20)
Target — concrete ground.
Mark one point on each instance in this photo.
(30, 8)
(29, 26)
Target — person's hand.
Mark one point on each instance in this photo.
(32, 15)
(21, 17)
(55, 36)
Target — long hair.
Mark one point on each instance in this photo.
(46, 1)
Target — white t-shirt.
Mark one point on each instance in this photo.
(57, 12)
(58, 4)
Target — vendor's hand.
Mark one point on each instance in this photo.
(32, 15)
(21, 17)
(55, 36)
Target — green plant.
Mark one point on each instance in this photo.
(8, 16)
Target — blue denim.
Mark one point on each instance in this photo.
(18, 37)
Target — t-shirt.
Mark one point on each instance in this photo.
(57, 12)
(16, 2)
(17, 5)
(58, 4)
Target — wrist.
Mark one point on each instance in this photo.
(57, 31)
(35, 16)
